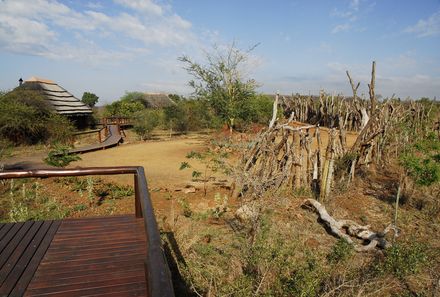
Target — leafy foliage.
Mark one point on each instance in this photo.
(144, 122)
(404, 259)
(26, 118)
(123, 108)
(29, 202)
(341, 251)
(60, 157)
(221, 82)
(422, 161)
(89, 99)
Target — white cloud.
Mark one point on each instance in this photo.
(142, 5)
(354, 4)
(341, 28)
(37, 31)
(426, 27)
(349, 16)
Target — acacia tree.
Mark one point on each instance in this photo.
(89, 98)
(221, 81)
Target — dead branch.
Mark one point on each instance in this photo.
(274, 112)
(348, 229)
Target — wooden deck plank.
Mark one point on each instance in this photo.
(27, 257)
(94, 258)
(117, 290)
(5, 228)
(9, 235)
(19, 250)
(84, 278)
(40, 250)
(12, 244)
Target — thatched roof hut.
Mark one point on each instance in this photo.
(157, 100)
(60, 99)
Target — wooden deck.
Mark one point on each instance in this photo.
(113, 139)
(105, 256)
(77, 257)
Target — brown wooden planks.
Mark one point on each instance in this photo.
(23, 247)
(5, 228)
(94, 257)
(11, 259)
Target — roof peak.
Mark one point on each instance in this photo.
(39, 79)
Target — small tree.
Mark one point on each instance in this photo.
(59, 156)
(176, 118)
(26, 118)
(89, 99)
(221, 81)
(144, 123)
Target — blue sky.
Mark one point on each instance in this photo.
(109, 47)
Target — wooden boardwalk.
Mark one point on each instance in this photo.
(97, 256)
(82, 257)
(113, 139)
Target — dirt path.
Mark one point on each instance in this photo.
(161, 160)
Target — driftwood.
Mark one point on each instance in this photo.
(348, 230)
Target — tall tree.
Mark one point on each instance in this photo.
(222, 81)
(89, 99)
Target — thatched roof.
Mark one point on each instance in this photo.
(59, 98)
(157, 100)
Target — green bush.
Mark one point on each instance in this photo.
(258, 109)
(404, 259)
(422, 161)
(190, 115)
(340, 252)
(26, 118)
(123, 108)
(176, 117)
(60, 157)
(145, 121)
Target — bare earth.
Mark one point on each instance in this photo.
(161, 160)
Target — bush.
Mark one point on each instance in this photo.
(60, 157)
(404, 259)
(340, 252)
(144, 122)
(190, 115)
(176, 117)
(26, 118)
(123, 108)
(258, 110)
(422, 161)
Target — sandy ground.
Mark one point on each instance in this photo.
(160, 159)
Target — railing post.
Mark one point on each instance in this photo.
(137, 194)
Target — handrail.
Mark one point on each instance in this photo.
(158, 277)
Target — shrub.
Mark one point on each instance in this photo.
(404, 259)
(60, 157)
(422, 161)
(26, 118)
(176, 117)
(144, 122)
(123, 108)
(341, 251)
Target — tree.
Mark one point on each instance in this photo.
(176, 117)
(123, 108)
(222, 82)
(133, 97)
(144, 122)
(26, 118)
(89, 99)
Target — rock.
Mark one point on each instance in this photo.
(246, 213)
(189, 190)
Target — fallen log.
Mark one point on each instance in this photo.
(348, 230)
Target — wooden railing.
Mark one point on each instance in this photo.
(158, 277)
(121, 121)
